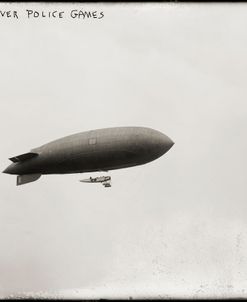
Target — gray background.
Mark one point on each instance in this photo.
(174, 227)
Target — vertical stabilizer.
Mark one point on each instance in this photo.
(23, 179)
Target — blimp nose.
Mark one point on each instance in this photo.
(158, 143)
(165, 142)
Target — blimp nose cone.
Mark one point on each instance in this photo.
(157, 143)
(165, 143)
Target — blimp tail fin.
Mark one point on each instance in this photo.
(23, 157)
(23, 179)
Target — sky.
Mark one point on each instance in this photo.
(175, 227)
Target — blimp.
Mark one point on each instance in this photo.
(99, 150)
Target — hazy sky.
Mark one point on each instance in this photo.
(174, 227)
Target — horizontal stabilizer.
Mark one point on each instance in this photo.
(23, 157)
(23, 179)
